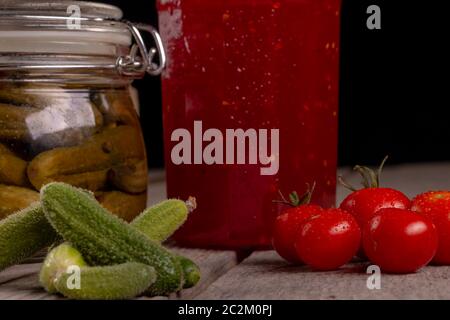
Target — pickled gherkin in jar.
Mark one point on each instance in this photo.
(13, 199)
(13, 169)
(110, 148)
(89, 137)
(123, 205)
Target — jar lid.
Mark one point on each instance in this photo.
(79, 29)
(58, 8)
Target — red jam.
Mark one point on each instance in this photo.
(250, 64)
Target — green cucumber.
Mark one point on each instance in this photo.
(23, 234)
(56, 263)
(160, 221)
(123, 281)
(104, 239)
(191, 272)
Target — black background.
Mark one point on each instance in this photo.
(281, 309)
(394, 83)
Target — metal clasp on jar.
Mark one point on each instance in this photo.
(140, 59)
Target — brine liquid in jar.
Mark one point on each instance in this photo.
(250, 65)
(87, 137)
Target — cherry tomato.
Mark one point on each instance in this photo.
(286, 228)
(400, 241)
(364, 203)
(436, 206)
(328, 240)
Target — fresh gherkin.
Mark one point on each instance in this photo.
(58, 260)
(24, 234)
(104, 239)
(160, 221)
(110, 282)
(191, 272)
(123, 281)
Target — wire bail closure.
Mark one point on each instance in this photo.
(142, 60)
(136, 64)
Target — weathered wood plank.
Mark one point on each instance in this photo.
(18, 271)
(264, 275)
(21, 282)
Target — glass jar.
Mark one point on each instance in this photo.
(253, 65)
(66, 109)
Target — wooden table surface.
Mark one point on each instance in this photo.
(263, 275)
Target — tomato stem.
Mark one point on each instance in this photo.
(346, 184)
(380, 169)
(294, 199)
(370, 178)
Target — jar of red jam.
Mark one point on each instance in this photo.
(258, 77)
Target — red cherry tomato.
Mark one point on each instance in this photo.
(400, 241)
(286, 228)
(364, 203)
(436, 206)
(328, 240)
